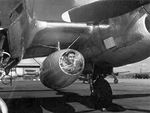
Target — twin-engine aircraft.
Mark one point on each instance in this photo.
(77, 37)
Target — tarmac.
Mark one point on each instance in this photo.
(133, 95)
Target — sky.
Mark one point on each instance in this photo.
(142, 66)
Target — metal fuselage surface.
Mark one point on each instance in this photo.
(116, 41)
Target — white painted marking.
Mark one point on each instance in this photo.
(109, 43)
(66, 17)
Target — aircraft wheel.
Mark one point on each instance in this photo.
(102, 94)
(6, 79)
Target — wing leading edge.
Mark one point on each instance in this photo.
(45, 36)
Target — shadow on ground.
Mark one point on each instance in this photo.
(61, 104)
(130, 96)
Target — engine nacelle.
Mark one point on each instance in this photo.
(61, 68)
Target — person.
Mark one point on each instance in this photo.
(70, 64)
(71, 57)
(67, 59)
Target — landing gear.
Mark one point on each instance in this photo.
(101, 93)
(7, 79)
(6, 60)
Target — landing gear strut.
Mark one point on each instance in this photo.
(101, 93)
(6, 61)
(5, 78)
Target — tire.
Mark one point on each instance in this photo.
(102, 93)
(5, 80)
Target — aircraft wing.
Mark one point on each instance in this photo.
(101, 10)
(42, 37)
(47, 37)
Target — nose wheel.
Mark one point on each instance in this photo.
(7, 79)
